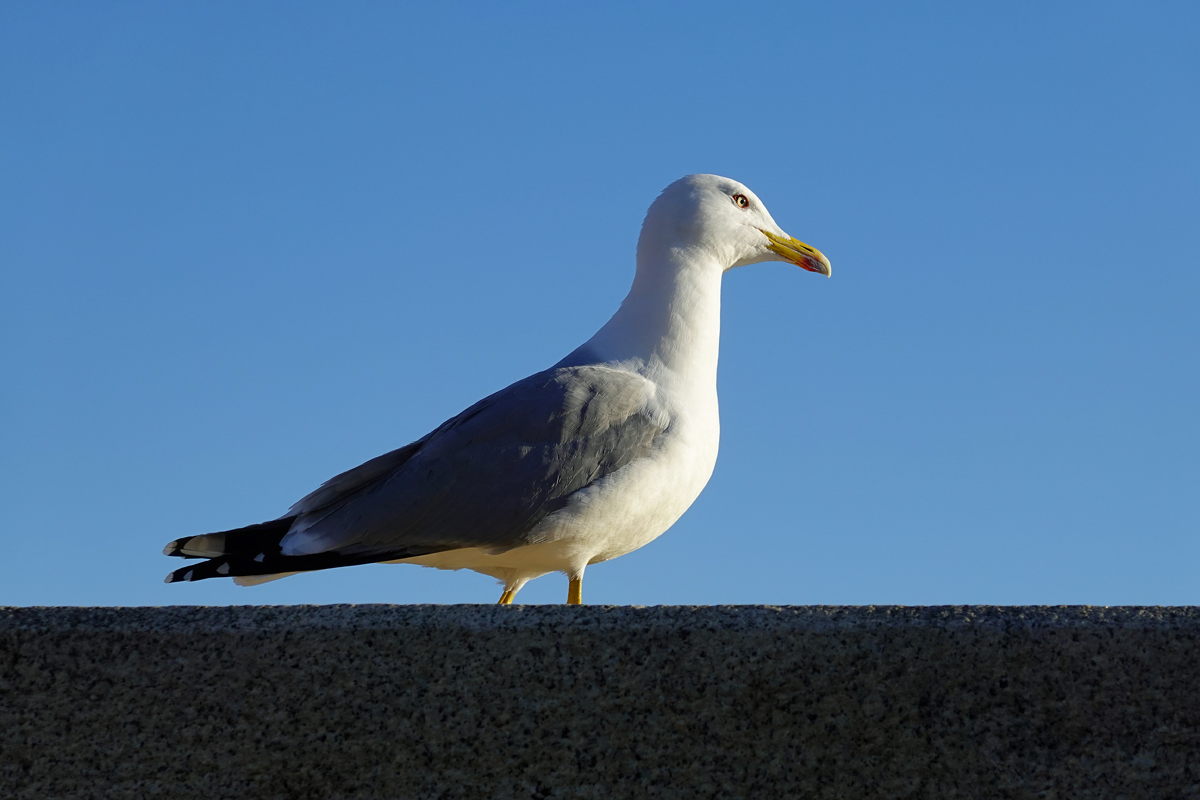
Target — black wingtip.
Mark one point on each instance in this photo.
(180, 575)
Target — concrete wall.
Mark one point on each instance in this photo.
(599, 702)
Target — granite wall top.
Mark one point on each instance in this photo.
(399, 702)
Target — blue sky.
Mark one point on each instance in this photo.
(245, 246)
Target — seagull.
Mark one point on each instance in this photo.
(578, 464)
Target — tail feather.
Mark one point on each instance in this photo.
(253, 555)
(223, 543)
(240, 551)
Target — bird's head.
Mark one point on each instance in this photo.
(722, 216)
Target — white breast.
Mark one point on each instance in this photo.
(637, 504)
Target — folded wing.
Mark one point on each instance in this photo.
(484, 478)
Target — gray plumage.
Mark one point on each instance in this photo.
(486, 477)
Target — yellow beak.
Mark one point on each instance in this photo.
(798, 253)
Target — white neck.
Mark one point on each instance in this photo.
(669, 325)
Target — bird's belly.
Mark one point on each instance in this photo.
(631, 507)
(613, 516)
(527, 562)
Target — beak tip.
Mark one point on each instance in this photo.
(797, 252)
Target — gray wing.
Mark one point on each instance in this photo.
(340, 487)
(486, 477)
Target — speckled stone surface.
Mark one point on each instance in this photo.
(600, 702)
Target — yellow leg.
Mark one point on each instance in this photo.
(507, 598)
(575, 594)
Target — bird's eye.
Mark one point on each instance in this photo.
(741, 200)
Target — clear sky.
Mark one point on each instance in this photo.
(245, 246)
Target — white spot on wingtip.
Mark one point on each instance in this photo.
(169, 550)
(187, 576)
(223, 569)
(170, 578)
(259, 558)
